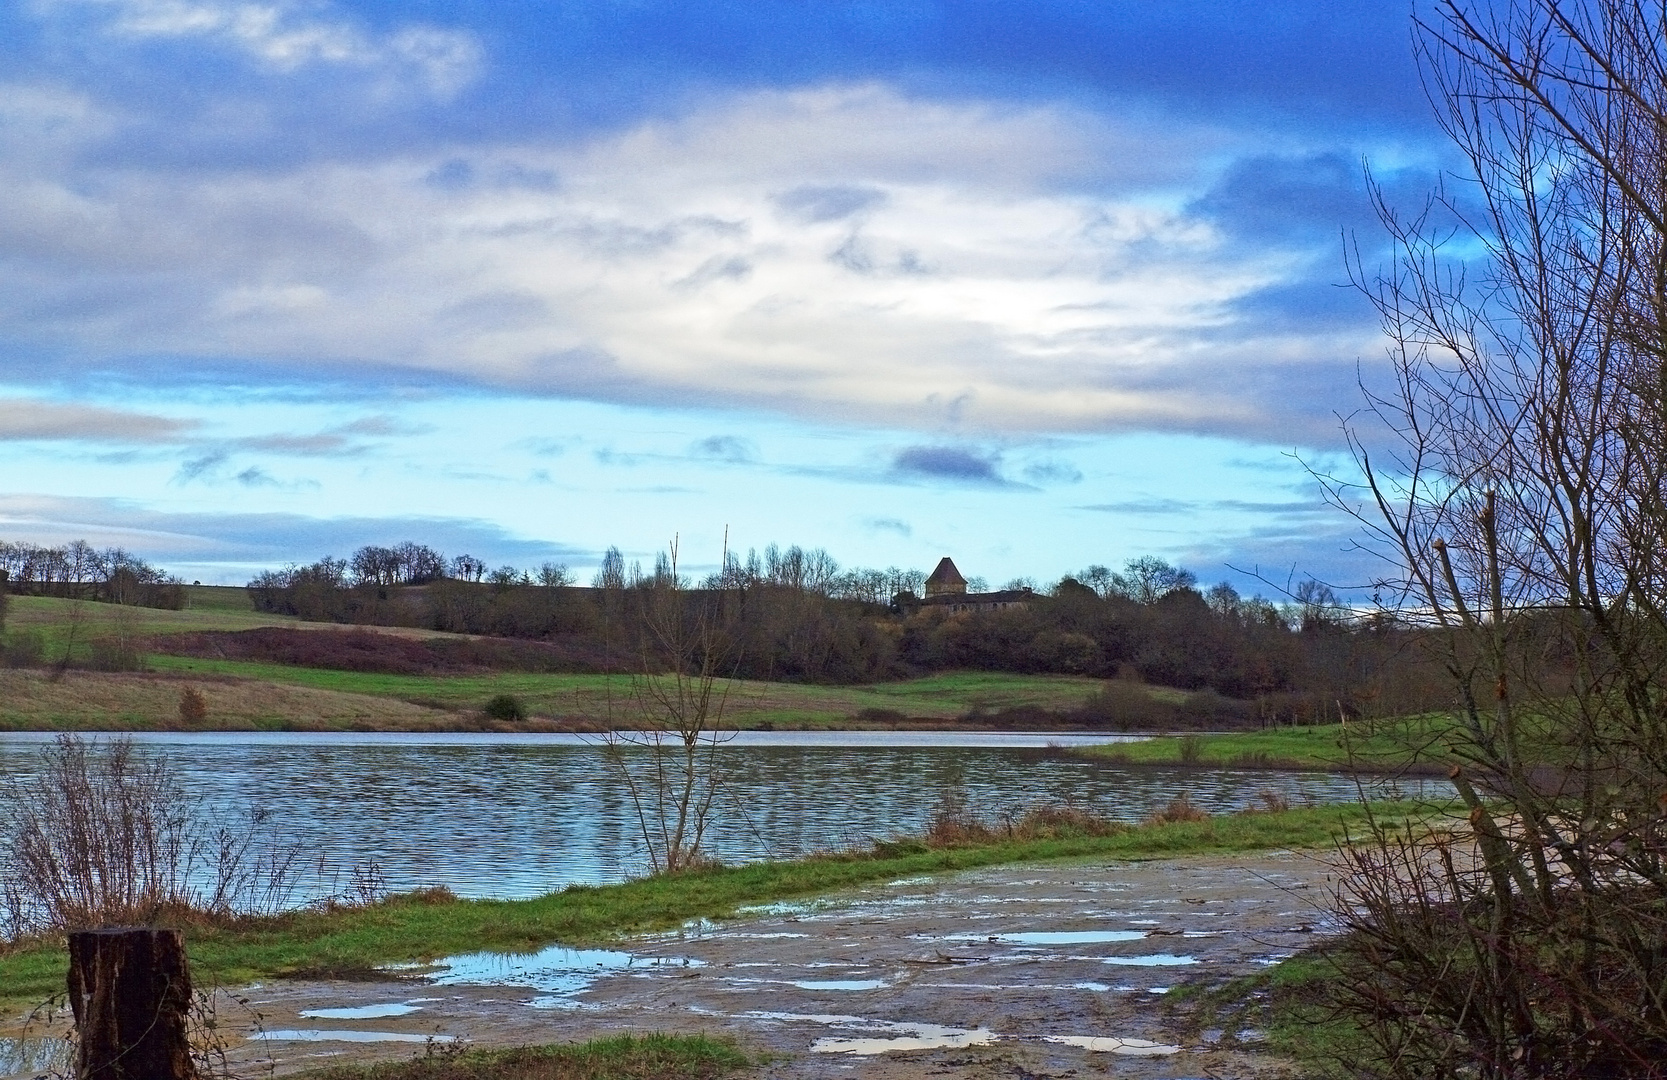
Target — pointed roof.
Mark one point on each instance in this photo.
(946, 574)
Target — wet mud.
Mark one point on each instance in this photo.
(1028, 971)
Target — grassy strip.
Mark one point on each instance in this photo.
(614, 1057)
(599, 697)
(1419, 743)
(1289, 1006)
(408, 928)
(57, 620)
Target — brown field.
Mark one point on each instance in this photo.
(33, 700)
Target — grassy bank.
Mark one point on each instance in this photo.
(1416, 744)
(615, 1057)
(411, 928)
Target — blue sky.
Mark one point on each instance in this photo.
(1037, 285)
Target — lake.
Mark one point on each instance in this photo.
(513, 816)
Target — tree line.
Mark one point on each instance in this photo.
(794, 614)
(79, 571)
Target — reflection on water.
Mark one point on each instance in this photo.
(518, 816)
(21, 1056)
(555, 970)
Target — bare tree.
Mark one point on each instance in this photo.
(1520, 503)
(670, 764)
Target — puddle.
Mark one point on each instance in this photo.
(1150, 960)
(840, 984)
(21, 1056)
(335, 1035)
(896, 1037)
(1052, 937)
(1128, 1047)
(556, 970)
(555, 1001)
(919, 1037)
(809, 1018)
(360, 1012)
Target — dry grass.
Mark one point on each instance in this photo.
(1179, 809)
(98, 835)
(89, 701)
(954, 824)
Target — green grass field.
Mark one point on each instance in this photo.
(1385, 744)
(58, 620)
(404, 929)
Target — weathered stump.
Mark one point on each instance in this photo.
(130, 990)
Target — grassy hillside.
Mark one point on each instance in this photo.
(110, 701)
(597, 697)
(57, 619)
(245, 693)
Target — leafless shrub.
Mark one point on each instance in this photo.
(1517, 487)
(193, 708)
(1180, 809)
(954, 824)
(98, 835)
(1273, 802)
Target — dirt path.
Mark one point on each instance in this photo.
(1038, 971)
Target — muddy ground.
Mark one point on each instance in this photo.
(1013, 972)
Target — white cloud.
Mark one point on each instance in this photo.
(841, 252)
(287, 36)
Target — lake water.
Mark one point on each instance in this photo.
(515, 816)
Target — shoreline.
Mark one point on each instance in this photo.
(413, 927)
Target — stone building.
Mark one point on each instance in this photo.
(947, 589)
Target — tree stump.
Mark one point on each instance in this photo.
(130, 990)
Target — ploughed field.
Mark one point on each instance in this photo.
(272, 672)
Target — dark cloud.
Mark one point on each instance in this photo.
(1207, 506)
(729, 448)
(452, 175)
(323, 444)
(1286, 199)
(1052, 472)
(23, 419)
(853, 255)
(255, 476)
(717, 268)
(1145, 506)
(946, 463)
(893, 525)
(816, 204)
(200, 467)
(384, 425)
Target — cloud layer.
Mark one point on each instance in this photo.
(841, 252)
